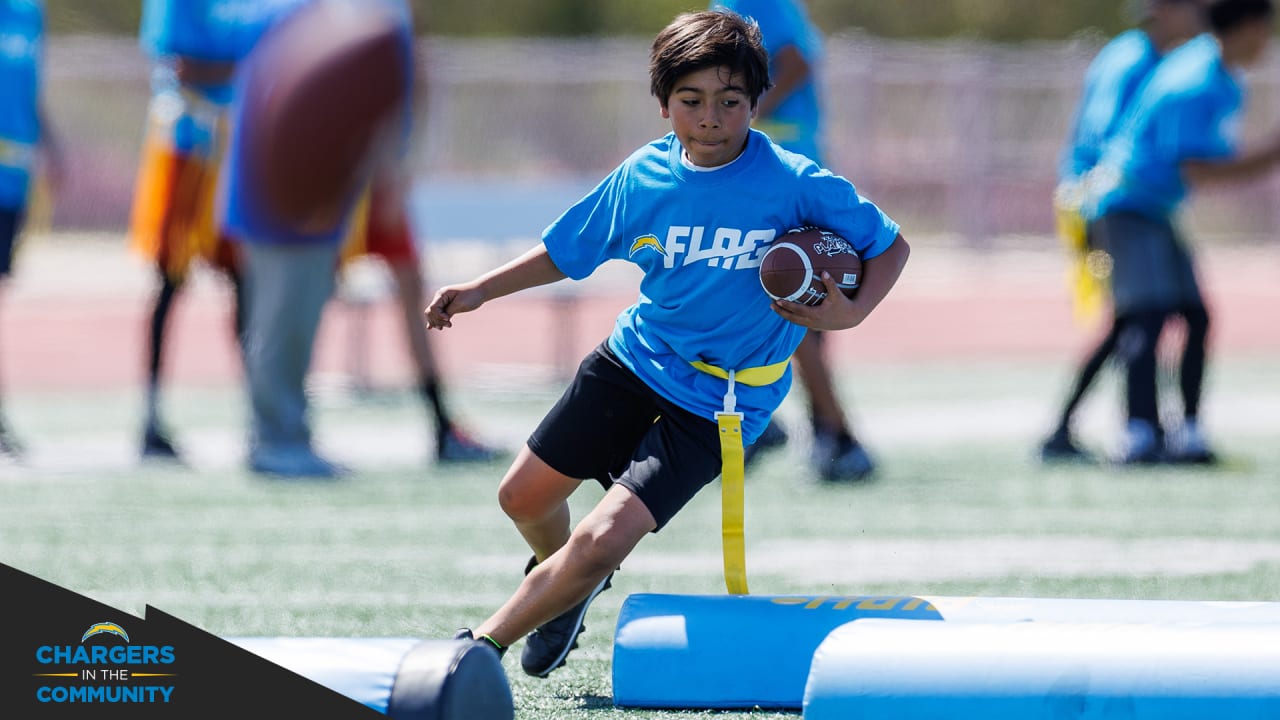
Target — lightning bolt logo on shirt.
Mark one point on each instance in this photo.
(646, 241)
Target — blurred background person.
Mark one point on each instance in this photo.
(791, 114)
(387, 234)
(26, 139)
(1181, 133)
(296, 168)
(1110, 83)
(193, 46)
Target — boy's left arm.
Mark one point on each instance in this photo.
(837, 312)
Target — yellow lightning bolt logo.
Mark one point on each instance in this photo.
(105, 627)
(647, 241)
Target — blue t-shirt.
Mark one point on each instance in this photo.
(1190, 109)
(243, 216)
(796, 123)
(21, 54)
(699, 238)
(210, 30)
(220, 31)
(1109, 85)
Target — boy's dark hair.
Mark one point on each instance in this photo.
(1226, 15)
(711, 38)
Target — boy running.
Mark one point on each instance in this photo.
(695, 210)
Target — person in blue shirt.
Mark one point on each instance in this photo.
(790, 113)
(695, 210)
(194, 46)
(1181, 132)
(1110, 83)
(26, 137)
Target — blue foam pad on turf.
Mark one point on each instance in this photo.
(407, 678)
(745, 651)
(731, 651)
(363, 669)
(898, 670)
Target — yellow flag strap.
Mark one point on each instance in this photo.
(1085, 276)
(755, 377)
(732, 470)
(732, 502)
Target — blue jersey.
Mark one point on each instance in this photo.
(1109, 85)
(1190, 109)
(216, 31)
(796, 123)
(699, 238)
(210, 30)
(21, 53)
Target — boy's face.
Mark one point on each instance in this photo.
(711, 114)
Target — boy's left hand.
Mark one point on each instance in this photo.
(835, 312)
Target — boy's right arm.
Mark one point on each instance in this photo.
(531, 269)
(1245, 166)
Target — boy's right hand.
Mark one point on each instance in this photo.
(450, 301)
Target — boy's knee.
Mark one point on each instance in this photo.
(599, 553)
(523, 506)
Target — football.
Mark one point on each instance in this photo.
(792, 267)
(324, 101)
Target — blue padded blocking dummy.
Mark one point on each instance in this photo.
(745, 651)
(730, 651)
(899, 670)
(405, 678)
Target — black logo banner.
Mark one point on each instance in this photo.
(64, 655)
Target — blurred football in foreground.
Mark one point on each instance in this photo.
(324, 104)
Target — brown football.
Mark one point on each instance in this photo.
(792, 267)
(325, 95)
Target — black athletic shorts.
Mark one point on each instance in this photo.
(1152, 268)
(10, 224)
(612, 427)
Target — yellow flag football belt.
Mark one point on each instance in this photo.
(732, 469)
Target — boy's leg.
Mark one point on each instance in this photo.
(1137, 345)
(534, 496)
(1089, 372)
(1060, 444)
(1194, 357)
(1186, 443)
(811, 366)
(155, 442)
(837, 454)
(595, 548)
(167, 185)
(452, 444)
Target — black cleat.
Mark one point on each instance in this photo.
(156, 445)
(837, 457)
(10, 446)
(546, 648)
(455, 446)
(485, 640)
(1060, 447)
